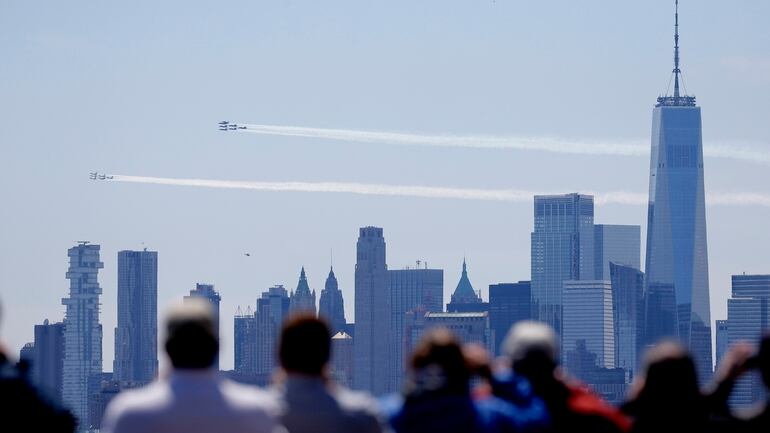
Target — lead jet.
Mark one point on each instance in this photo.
(93, 175)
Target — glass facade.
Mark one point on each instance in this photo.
(620, 244)
(562, 249)
(136, 336)
(677, 256)
(628, 313)
(82, 330)
(588, 320)
(508, 304)
(207, 292)
(748, 316)
(420, 290)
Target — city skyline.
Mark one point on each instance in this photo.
(200, 248)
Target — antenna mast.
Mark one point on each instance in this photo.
(676, 71)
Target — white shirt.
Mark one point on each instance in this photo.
(192, 401)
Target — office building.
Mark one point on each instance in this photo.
(588, 318)
(562, 249)
(465, 299)
(331, 305)
(302, 300)
(609, 383)
(620, 244)
(628, 315)
(372, 340)
(82, 330)
(677, 253)
(410, 290)
(468, 327)
(748, 316)
(722, 340)
(508, 304)
(27, 354)
(272, 310)
(342, 359)
(245, 342)
(207, 292)
(136, 336)
(47, 371)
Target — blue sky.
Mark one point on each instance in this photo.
(137, 89)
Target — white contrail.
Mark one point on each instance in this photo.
(546, 144)
(508, 195)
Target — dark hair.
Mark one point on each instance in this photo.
(305, 345)
(439, 348)
(191, 342)
(670, 394)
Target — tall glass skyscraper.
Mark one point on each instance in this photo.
(562, 249)
(677, 257)
(82, 331)
(372, 342)
(136, 336)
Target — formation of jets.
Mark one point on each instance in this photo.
(96, 176)
(227, 126)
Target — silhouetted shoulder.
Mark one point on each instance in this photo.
(249, 396)
(356, 401)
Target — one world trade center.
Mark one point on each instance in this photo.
(677, 283)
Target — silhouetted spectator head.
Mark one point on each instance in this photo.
(191, 341)
(438, 363)
(305, 345)
(764, 359)
(532, 349)
(669, 382)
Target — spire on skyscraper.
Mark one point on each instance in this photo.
(679, 99)
(331, 305)
(302, 299)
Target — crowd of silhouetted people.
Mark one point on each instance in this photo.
(449, 388)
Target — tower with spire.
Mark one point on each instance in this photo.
(677, 283)
(331, 307)
(465, 299)
(302, 299)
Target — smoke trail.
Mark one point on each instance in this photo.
(548, 144)
(507, 195)
(545, 144)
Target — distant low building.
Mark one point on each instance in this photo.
(610, 383)
(468, 327)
